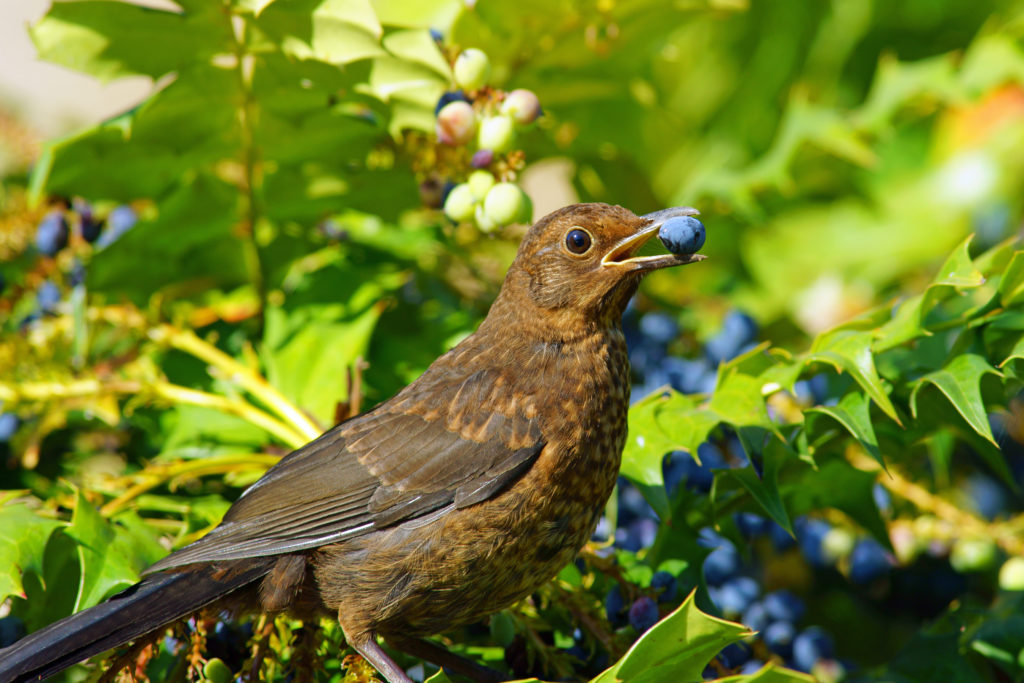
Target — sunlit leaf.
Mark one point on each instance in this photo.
(960, 381)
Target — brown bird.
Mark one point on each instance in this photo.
(457, 497)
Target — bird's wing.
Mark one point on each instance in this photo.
(424, 450)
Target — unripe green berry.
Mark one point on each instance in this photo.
(504, 203)
(480, 182)
(1011, 574)
(216, 671)
(973, 554)
(483, 221)
(460, 204)
(496, 133)
(472, 69)
(837, 543)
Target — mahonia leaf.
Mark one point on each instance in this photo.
(677, 648)
(853, 413)
(850, 350)
(960, 381)
(23, 537)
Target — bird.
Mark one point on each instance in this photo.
(457, 497)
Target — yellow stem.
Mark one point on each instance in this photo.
(255, 384)
(1003, 534)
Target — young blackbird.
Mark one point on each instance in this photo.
(457, 497)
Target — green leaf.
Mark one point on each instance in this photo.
(769, 673)
(850, 350)
(853, 413)
(738, 400)
(675, 649)
(23, 537)
(1011, 285)
(111, 554)
(764, 487)
(113, 39)
(335, 31)
(418, 47)
(437, 14)
(960, 381)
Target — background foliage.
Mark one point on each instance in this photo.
(844, 368)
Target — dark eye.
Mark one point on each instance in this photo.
(577, 241)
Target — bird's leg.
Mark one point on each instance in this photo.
(366, 645)
(432, 652)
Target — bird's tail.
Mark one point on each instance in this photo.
(155, 601)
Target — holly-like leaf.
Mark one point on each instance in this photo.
(111, 554)
(1011, 285)
(853, 413)
(675, 649)
(764, 485)
(23, 537)
(850, 350)
(769, 673)
(738, 400)
(960, 381)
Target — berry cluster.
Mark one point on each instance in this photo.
(482, 123)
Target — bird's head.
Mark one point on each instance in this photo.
(580, 264)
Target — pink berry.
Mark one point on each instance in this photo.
(456, 123)
(522, 105)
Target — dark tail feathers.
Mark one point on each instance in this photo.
(155, 601)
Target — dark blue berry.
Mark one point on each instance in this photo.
(868, 561)
(811, 645)
(782, 605)
(735, 655)
(119, 221)
(659, 327)
(735, 595)
(751, 524)
(738, 332)
(614, 606)
(988, 496)
(781, 539)
(778, 636)
(643, 613)
(52, 233)
(48, 297)
(8, 426)
(682, 234)
(810, 533)
(721, 564)
(666, 583)
(756, 617)
(448, 98)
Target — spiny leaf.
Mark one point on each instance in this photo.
(854, 414)
(677, 648)
(23, 536)
(851, 351)
(764, 487)
(960, 381)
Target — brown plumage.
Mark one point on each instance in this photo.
(457, 497)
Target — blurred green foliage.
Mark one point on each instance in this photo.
(284, 273)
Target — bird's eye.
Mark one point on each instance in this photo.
(578, 241)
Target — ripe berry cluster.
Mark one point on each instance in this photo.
(483, 123)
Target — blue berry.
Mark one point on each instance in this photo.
(882, 498)
(666, 582)
(756, 617)
(810, 533)
(809, 646)
(735, 595)
(48, 297)
(8, 426)
(781, 539)
(721, 564)
(868, 561)
(119, 221)
(659, 327)
(643, 613)
(614, 605)
(782, 605)
(639, 534)
(690, 376)
(988, 496)
(437, 35)
(751, 667)
(52, 233)
(751, 524)
(448, 98)
(778, 636)
(735, 655)
(738, 332)
(682, 234)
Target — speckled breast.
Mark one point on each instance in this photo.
(469, 564)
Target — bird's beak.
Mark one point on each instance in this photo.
(621, 254)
